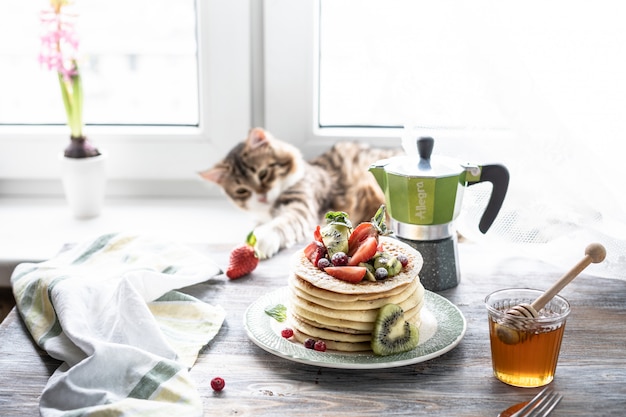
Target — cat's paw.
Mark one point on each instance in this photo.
(267, 242)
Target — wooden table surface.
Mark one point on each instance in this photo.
(591, 372)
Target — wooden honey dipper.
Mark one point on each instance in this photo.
(508, 331)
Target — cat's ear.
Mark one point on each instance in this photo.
(215, 174)
(257, 137)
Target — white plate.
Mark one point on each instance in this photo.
(442, 328)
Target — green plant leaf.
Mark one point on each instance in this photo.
(77, 121)
(277, 312)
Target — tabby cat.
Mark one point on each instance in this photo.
(289, 196)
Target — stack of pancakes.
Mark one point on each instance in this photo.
(342, 313)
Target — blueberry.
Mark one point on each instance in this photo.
(380, 273)
(309, 343)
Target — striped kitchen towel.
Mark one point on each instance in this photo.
(108, 309)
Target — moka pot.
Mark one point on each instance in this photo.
(424, 196)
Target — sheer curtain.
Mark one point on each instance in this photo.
(555, 70)
(536, 85)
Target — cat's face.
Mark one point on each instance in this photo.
(256, 171)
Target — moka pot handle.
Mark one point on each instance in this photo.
(497, 175)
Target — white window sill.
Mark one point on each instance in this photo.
(34, 229)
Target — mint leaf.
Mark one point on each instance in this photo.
(338, 217)
(278, 312)
(379, 220)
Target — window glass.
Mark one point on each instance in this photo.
(465, 65)
(383, 65)
(138, 60)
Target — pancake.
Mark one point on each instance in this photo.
(304, 269)
(343, 314)
(348, 326)
(339, 334)
(396, 296)
(335, 340)
(346, 299)
(335, 345)
(328, 334)
(406, 301)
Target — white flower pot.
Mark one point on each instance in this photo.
(84, 183)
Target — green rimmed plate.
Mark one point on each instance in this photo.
(443, 326)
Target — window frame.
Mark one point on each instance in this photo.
(165, 157)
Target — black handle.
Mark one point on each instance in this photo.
(497, 175)
(425, 149)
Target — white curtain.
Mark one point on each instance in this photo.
(546, 77)
(556, 71)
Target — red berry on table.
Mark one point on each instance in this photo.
(286, 333)
(243, 259)
(217, 384)
(320, 346)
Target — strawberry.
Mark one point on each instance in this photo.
(351, 274)
(365, 251)
(317, 235)
(367, 229)
(315, 251)
(243, 259)
(360, 233)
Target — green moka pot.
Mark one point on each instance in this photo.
(424, 196)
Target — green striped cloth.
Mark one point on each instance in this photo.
(108, 309)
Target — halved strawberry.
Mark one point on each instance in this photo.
(359, 234)
(314, 251)
(365, 251)
(317, 235)
(351, 274)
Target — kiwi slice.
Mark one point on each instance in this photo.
(335, 238)
(389, 262)
(369, 271)
(336, 232)
(392, 334)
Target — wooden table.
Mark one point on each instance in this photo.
(591, 372)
